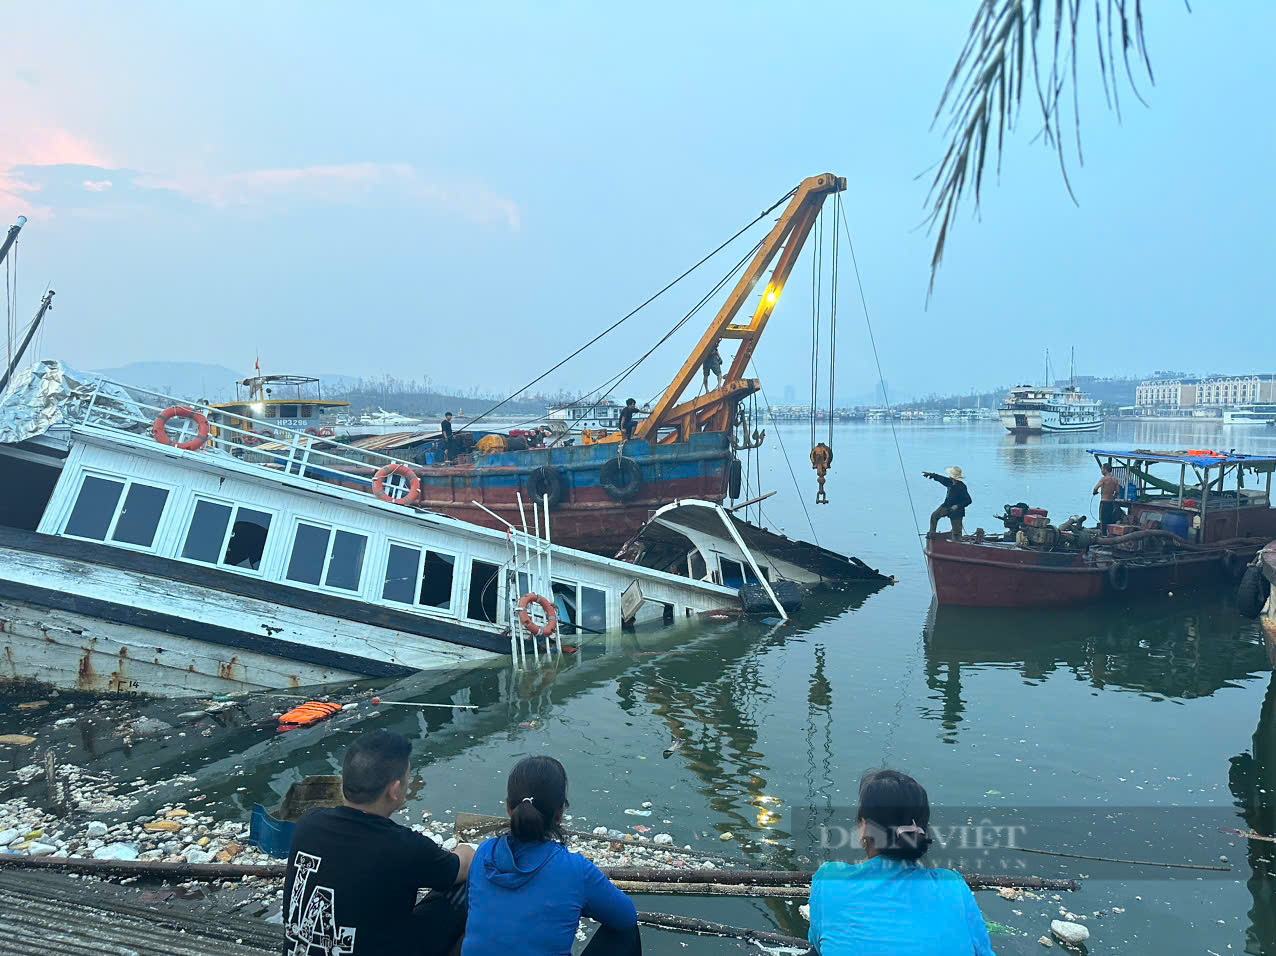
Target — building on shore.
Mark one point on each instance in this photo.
(1202, 397)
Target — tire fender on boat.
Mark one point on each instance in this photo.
(546, 480)
(1252, 593)
(621, 478)
(733, 479)
(160, 433)
(1234, 564)
(525, 618)
(397, 468)
(1118, 576)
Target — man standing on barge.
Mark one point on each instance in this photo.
(955, 502)
(1109, 511)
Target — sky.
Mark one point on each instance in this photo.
(467, 192)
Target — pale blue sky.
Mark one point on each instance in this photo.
(468, 191)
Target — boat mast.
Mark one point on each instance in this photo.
(45, 305)
(11, 237)
(713, 410)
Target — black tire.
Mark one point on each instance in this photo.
(754, 599)
(1252, 592)
(546, 480)
(1118, 576)
(621, 478)
(733, 479)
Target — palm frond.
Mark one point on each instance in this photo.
(984, 92)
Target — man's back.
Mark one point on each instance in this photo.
(352, 882)
(1108, 487)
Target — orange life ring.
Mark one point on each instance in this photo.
(551, 615)
(160, 433)
(312, 431)
(397, 468)
(326, 432)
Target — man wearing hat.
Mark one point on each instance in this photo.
(955, 502)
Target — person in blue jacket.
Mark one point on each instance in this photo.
(528, 891)
(891, 904)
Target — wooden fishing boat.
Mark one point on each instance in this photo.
(1183, 527)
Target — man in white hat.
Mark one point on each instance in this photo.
(955, 502)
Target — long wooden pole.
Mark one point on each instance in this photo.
(704, 927)
(697, 882)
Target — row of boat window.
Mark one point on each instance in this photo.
(128, 512)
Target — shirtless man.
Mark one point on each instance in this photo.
(1109, 511)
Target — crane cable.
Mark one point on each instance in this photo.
(868, 322)
(817, 288)
(615, 325)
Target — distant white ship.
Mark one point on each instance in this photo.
(1250, 415)
(1038, 408)
(382, 417)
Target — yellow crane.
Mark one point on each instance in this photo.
(673, 420)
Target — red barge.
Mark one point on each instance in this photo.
(1189, 521)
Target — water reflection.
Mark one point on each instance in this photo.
(1187, 648)
(1252, 780)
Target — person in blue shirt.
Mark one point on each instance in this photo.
(891, 903)
(528, 891)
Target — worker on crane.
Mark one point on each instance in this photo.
(712, 363)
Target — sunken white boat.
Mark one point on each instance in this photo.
(140, 556)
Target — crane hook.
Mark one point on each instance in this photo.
(821, 461)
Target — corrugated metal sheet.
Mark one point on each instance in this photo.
(43, 914)
(368, 443)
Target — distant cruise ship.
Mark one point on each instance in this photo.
(1037, 408)
(1250, 415)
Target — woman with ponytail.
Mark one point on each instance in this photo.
(528, 891)
(890, 903)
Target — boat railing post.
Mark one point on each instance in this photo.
(748, 556)
(549, 572)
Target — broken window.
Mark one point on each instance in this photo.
(483, 591)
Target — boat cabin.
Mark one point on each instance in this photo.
(265, 403)
(1199, 495)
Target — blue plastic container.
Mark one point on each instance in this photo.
(1175, 522)
(270, 835)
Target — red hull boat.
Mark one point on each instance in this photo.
(1174, 536)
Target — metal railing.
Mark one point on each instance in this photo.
(116, 406)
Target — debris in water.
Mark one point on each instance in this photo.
(673, 748)
(1074, 934)
(33, 704)
(637, 813)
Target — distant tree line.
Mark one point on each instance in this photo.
(419, 398)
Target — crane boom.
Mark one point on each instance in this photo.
(713, 410)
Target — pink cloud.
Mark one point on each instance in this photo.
(34, 146)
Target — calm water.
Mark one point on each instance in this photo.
(1161, 704)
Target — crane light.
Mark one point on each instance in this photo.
(771, 295)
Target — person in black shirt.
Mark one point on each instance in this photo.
(448, 447)
(955, 502)
(353, 874)
(627, 417)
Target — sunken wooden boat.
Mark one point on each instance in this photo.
(139, 553)
(1189, 521)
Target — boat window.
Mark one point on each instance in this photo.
(247, 542)
(400, 574)
(345, 565)
(287, 411)
(94, 508)
(593, 609)
(565, 602)
(309, 552)
(436, 580)
(140, 516)
(207, 531)
(272, 411)
(483, 588)
(732, 572)
(695, 565)
(307, 411)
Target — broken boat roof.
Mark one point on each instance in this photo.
(1193, 456)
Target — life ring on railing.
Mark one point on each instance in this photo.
(621, 478)
(397, 468)
(160, 433)
(326, 432)
(312, 431)
(525, 618)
